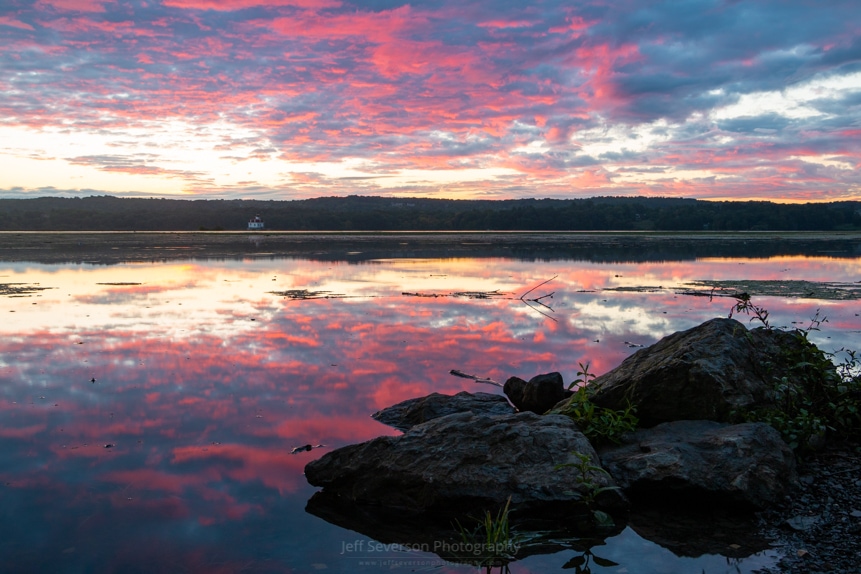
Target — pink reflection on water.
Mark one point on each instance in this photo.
(202, 406)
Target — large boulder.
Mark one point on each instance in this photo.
(746, 464)
(469, 461)
(412, 412)
(538, 395)
(707, 372)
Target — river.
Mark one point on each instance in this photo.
(151, 403)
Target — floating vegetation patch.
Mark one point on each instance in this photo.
(637, 289)
(304, 294)
(478, 294)
(468, 294)
(794, 289)
(20, 289)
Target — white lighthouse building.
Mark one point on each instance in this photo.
(255, 223)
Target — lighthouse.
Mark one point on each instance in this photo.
(255, 223)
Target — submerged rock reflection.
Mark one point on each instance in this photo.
(724, 535)
(442, 533)
(712, 531)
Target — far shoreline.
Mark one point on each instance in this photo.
(110, 247)
(759, 234)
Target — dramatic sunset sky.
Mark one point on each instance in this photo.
(288, 99)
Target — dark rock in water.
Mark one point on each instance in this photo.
(538, 395)
(746, 464)
(409, 413)
(704, 373)
(469, 461)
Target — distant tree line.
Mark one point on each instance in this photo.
(360, 213)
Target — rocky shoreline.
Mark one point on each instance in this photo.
(717, 440)
(817, 527)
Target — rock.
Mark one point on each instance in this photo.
(746, 464)
(802, 523)
(704, 373)
(468, 461)
(538, 395)
(411, 412)
(514, 388)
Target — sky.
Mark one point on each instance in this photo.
(501, 99)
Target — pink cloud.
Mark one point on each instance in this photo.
(506, 24)
(598, 63)
(231, 5)
(9, 21)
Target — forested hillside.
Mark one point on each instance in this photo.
(355, 213)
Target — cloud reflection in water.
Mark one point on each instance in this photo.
(205, 381)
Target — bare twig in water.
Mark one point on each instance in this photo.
(483, 380)
(523, 297)
(538, 300)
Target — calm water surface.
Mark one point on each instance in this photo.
(150, 409)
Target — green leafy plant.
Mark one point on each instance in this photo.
(844, 403)
(589, 488)
(819, 396)
(599, 424)
(584, 376)
(815, 323)
(800, 429)
(745, 305)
